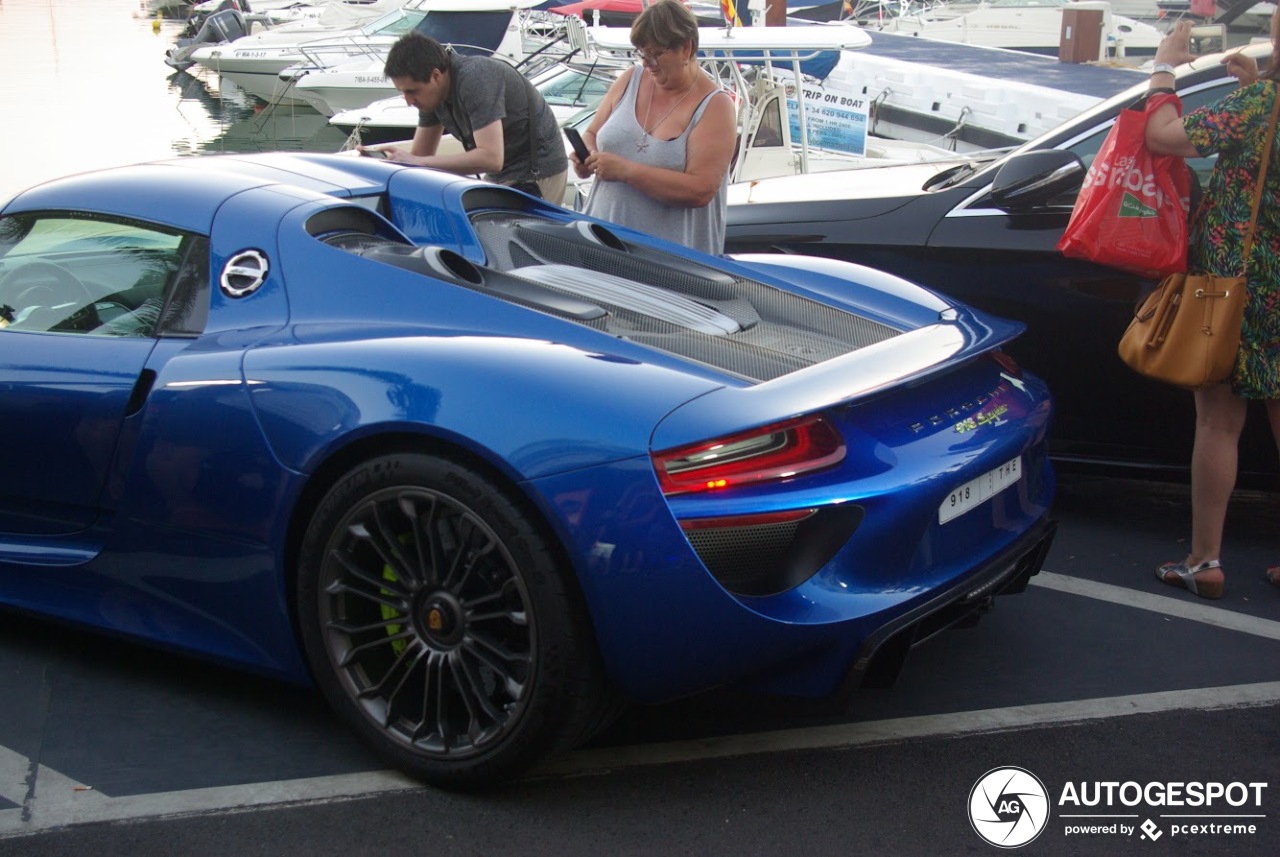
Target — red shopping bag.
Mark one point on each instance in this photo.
(1131, 213)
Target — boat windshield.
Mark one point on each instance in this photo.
(483, 30)
(480, 29)
(395, 23)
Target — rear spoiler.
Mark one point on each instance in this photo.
(959, 335)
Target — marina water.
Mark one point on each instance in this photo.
(83, 85)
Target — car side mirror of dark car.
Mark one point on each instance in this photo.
(1031, 179)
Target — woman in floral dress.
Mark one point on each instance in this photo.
(1235, 128)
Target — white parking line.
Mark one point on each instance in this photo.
(1169, 606)
(14, 771)
(47, 800)
(904, 728)
(59, 802)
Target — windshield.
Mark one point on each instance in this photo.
(394, 23)
(574, 88)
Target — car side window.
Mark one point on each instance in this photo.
(1087, 148)
(187, 307)
(79, 273)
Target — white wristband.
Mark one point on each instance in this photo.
(1162, 67)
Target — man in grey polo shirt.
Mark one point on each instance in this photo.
(508, 132)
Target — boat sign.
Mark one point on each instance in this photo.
(837, 122)
(975, 492)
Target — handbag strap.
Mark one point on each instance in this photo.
(1262, 177)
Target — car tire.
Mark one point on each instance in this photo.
(441, 624)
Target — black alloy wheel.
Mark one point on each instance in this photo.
(437, 622)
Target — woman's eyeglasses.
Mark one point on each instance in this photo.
(650, 58)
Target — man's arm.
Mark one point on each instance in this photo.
(487, 157)
(426, 140)
(425, 143)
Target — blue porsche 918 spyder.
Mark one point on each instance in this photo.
(480, 467)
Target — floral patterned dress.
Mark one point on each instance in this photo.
(1235, 128)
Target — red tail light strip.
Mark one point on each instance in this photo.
(779, 451)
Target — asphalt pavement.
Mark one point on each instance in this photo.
(1097, 675)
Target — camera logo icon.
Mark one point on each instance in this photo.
(1008, 807)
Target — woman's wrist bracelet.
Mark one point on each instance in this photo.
(1162, 68)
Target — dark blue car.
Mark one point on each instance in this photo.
(481, 467)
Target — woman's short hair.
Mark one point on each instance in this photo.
(665, 24)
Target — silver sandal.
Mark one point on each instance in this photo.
(1186, 577)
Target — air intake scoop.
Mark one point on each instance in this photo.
(652, 301)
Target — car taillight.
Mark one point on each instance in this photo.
(779, 451)
(1007, 363)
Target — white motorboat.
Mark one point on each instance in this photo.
(961, 97)
(750, 60)
(274, 13)
(254, 62)
(266, 12)
(1034, 26)
(344, 74)
(567, 88)
(779, 134)
(893, 98)
(881, 100)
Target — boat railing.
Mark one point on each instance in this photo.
(727, 50)
(324, 53)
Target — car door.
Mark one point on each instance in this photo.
(83, 299)
(1006, 262)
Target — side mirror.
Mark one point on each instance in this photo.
(1031, 179)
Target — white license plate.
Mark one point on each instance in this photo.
(975, 492)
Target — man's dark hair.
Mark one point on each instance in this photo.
(415, 56)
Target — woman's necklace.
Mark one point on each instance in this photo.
(642, 143)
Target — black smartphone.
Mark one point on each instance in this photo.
(579, 147)
(373, 153)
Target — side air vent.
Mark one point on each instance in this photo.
(434, 261)
(601, 235)
(345, 219)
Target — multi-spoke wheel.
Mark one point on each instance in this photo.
(437, 621)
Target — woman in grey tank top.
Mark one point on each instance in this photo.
(663, 138)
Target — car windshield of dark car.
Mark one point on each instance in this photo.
(78, 273)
